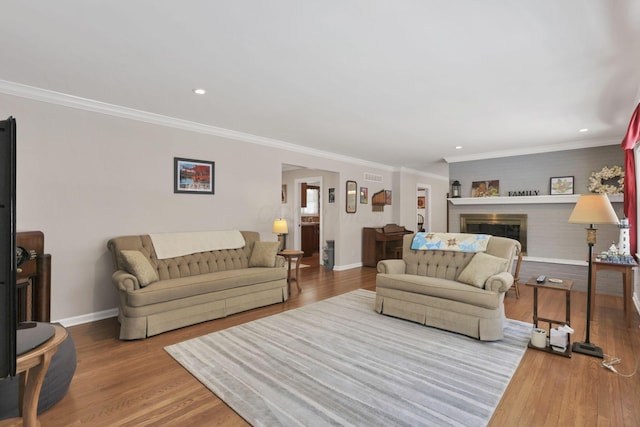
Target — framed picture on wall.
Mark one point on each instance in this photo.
(364, 195)
(561, 185)
(420, 202)
(284, 193)
(193, 176)
(332, 195)
(485, 188)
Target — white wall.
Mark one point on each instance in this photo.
(84, 177)
(408, 182)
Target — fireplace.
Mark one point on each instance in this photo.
(513, 226)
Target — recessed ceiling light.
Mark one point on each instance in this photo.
(458, 147)
(199, 91)
(583, 130)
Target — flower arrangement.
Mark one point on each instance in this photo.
(605, 181)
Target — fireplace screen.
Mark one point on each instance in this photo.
(513, 226)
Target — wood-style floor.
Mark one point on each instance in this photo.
(137, 383)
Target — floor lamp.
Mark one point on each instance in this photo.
(591, 209)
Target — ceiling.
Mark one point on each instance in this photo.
(399, 83)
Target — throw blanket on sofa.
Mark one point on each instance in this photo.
(458, 242)
(171, 245)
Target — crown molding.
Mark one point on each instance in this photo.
(71, 101)
(574, 145)
(422, 173)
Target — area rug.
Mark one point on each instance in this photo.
(338, 362)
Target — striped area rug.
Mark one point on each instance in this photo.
(338, 362)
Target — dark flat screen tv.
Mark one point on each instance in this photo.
(7, 247)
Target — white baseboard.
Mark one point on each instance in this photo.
(555, 261)
(86, 318)
(105, 314)
(347, 267)
(113, 312)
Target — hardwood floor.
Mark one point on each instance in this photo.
(121, 383)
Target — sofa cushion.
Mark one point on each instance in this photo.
(439, 288)
(264, 254)
(184, 287)
(480, 268)
(140, 266)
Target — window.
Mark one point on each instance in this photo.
(313, 202)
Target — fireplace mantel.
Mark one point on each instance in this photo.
(522, 200)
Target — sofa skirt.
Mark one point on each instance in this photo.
(477, 322)
(142, 322)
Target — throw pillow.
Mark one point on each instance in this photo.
(140, 266)
(480, 268)
(264, 254)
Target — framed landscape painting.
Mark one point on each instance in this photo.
(193, 176)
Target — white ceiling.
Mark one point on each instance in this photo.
(400, 83)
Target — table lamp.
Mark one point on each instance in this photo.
(280, 228)
(591, 209)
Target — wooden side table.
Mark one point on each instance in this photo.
(292, 255)
(626, 270)
(32, 367)
(565, 286)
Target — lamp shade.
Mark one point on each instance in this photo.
(593, 209)
(280, 226)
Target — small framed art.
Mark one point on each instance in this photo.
(193, 176)
(364, 195)
(561, 185)
(485, 188)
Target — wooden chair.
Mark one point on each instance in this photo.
(516, 276)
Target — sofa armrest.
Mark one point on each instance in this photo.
(124, 281)
(280, 261)
(500, 282)
(391, 266)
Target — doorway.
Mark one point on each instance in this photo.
(308, 217)
(423, 209)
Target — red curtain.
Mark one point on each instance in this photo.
(630, 205)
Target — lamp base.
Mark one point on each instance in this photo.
(588, 349)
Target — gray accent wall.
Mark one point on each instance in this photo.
(555, 247)
(533, 172)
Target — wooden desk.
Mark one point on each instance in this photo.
(32, 367)
(627, 271)
(290, 255)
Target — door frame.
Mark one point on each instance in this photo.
(297, 223)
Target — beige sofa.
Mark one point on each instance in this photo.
(434, 287)
(158, 295)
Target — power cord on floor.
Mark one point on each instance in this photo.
(610, 361)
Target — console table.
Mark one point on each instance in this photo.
(627, 271)
(33, 281)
